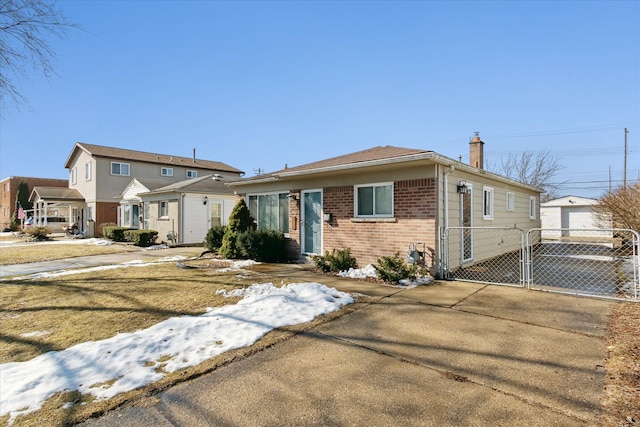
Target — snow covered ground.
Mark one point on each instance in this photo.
(131, 360)
(20, 241)
(370, 271)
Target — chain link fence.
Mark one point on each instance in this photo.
(484, 254)
(601, 262)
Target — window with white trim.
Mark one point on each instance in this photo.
(532, 207)
(166, 171)
(374, 200)
(192, 174)
(121, 169)
(271, 211)
(487, 203)
(511, 201)
(216, 214)
(73, 175)
(87, 171)
(163, 211)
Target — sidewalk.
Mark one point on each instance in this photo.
(446, 354)
(95, 260)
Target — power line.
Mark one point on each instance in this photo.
(561, 131)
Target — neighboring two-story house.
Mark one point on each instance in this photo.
(101, 174)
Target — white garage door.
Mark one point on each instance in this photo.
(195, 221)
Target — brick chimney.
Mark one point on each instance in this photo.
(476, 152)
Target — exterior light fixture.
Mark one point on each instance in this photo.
(462, 188)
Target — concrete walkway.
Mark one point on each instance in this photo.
(447, 354)
(94, 260)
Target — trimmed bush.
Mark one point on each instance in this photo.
(394, 268)
(213, 239)
(240, 221)
(115, 233)
(337, 260)
(141, 237)
(262, 245)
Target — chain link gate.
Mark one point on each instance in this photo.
(484, 254)
(600, 262)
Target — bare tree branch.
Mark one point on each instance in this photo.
(532, 168)
(24, 28)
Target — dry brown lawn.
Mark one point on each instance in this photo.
(622, 390)
(47, 252)
(95, 306)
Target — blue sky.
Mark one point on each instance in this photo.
(259, 85)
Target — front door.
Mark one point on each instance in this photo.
(312, 222)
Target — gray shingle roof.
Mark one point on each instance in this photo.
(57, 193)
(142, 156)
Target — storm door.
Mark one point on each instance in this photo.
(466, 222)
(312, 222)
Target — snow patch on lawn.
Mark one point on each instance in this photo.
(133, 263)
(35, 334)
(131, 360)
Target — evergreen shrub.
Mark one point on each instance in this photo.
(115, 233)
(239, 221)
(213, 239)
(337, 260)
(394, 268)
(262, 245)
(141, 237)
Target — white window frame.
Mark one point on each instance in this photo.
(74, 175)
(87, 171)
(191, 173)
(532, 207)
(374, 186)
(165, 171)
(487, 208)
(510, 201)
(164, 203)
(120, 164)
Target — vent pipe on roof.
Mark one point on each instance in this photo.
(194, 155)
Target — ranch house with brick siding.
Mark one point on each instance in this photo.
(381, 200)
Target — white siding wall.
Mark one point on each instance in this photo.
(195, 222)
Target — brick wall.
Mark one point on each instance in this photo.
(414, 221)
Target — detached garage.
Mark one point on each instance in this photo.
(183, 212)
(570, 216)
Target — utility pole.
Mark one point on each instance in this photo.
(624, 178)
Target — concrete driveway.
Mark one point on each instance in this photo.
(450, 353)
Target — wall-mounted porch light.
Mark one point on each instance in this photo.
(462, 188)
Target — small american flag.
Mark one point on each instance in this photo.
(20, 212)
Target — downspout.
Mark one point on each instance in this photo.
(181, 218)
(445, 222)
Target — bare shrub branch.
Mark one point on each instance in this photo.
(622, 206)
